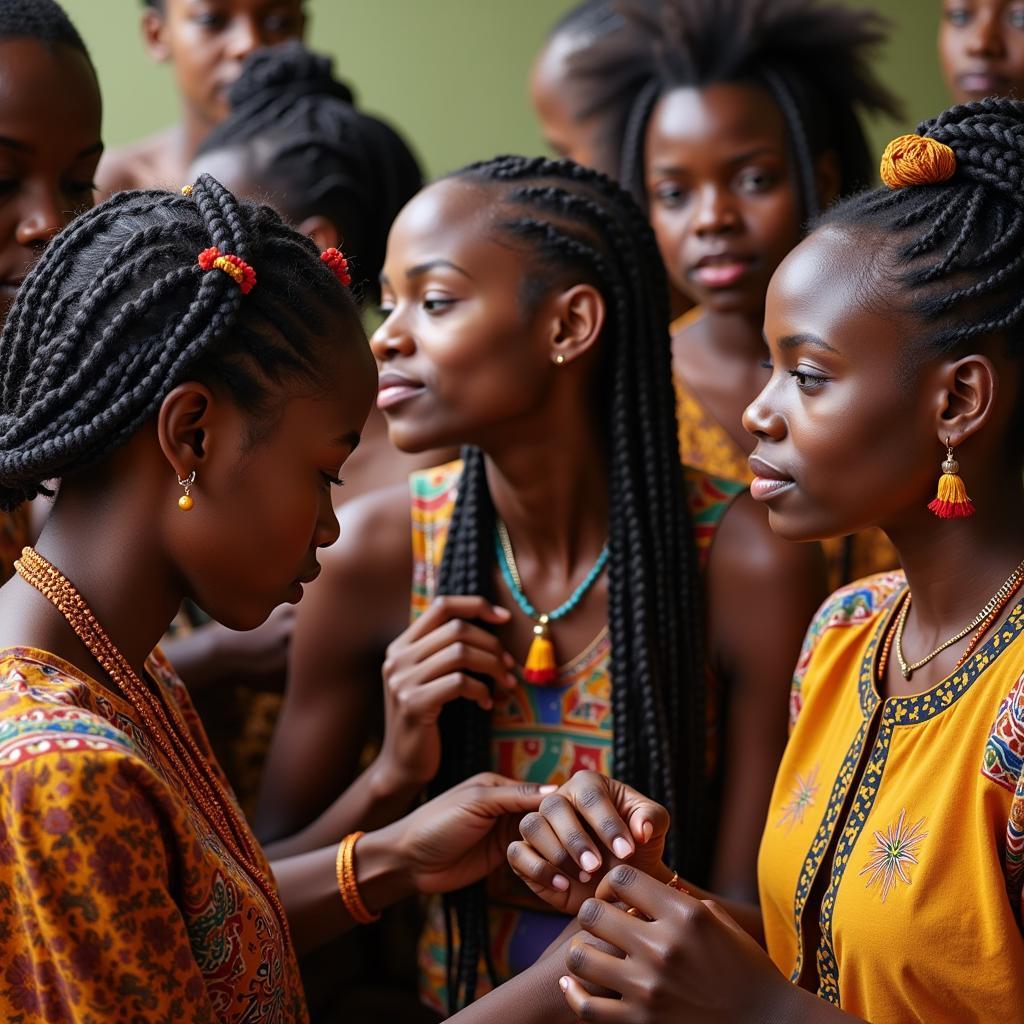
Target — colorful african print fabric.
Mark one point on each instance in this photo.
(538, 733)
(909, 813)
(119, 902)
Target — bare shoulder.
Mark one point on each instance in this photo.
(146, 163)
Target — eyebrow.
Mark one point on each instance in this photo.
(809, 340)
(423, 268)
(740, 158)
(352, 439)
(21, 147)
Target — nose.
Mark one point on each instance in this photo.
(328, 529)
(762, 418)
(716, 212)
(42, 215)
(391, 339)
(245, 36)
(986, 35)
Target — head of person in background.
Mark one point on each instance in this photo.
(585, 79)
(205, 42)
(293, 140)
(50, 141)
(748, 128)
(981, 48)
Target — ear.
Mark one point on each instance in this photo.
(579, 315)
(967, 398)
(323, 232)
(154, 35)
(828, 177)
(183, 426)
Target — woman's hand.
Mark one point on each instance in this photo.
(429, 665)
(461, 836)
(560, 855)
(685, 959)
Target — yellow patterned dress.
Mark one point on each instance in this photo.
(538, 733)
(119, 902)
(910, 813)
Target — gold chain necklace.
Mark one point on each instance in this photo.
(162, 723)
(999, 598)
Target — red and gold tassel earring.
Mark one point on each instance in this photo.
(951, 502)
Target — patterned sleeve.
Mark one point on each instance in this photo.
(89, 931)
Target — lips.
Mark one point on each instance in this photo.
(394, 388)
(768, 481)
(983, 82)
(721, 269)
(310, 576)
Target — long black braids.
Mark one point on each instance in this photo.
(955, 250)
(118, 311)
(315, 154)
(575, 224)
(812, 57)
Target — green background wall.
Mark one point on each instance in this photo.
(451, 74)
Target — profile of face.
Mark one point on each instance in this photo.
(721, 194)
(462, 359)
(208, 40)
(981, 48)
(847, 435)
(262, 492)
(50, 144)
(552, 92)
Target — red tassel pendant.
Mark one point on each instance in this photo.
(540, 665)
(951, 502)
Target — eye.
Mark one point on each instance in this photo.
(385, 309)
(80, 186)
(958, 17)
(1016, 17)
(435, 304)
(767, 364)
(669, 195)
(755, 180)
(807, 381)
(281, 25)
(329, 479)
(211, 21)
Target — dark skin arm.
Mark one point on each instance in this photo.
(762, 593)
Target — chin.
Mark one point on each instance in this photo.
(406, 438)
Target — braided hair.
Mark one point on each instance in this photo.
(44, 20)
(955, 249)
(811, 56)
(574, 224)
(118, 312)
(305, 143)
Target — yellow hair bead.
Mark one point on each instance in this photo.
(917, 160)
(186, 190)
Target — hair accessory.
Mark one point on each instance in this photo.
(186, 502)
(917, 160)
(234, 266)
(541, 667)
(345, 868)
(951, 501)
(186, 190)
(335, 260)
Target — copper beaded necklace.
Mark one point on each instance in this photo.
(162, 723)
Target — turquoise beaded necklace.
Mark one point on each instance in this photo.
(540, 661)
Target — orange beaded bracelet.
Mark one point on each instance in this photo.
(345, 867)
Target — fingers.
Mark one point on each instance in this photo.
(553, 844)
(593, 1008)
(426, 701)
(592, 796)
(445, 608)
(462, 656)
(494, 801)
(606, 921)
(654, 899)
(534, 869)
(598, 967)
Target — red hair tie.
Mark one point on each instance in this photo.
(234, 266)
(335, 260)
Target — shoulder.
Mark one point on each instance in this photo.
(135, 165)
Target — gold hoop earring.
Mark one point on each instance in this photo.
(186, 502)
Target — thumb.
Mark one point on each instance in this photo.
(495, 801)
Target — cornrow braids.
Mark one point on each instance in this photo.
(306, 144)
(118, 312)
(43, 20)
(575, 224)
(955, 250)
(813, 58)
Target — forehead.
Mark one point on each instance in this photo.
(729, 112)
(47, 93)
(184, 7)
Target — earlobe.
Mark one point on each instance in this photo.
(580, 313)
(184, 424)
(154, 36)
(828, 176)
(322, 231)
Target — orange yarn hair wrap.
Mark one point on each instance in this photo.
(917, 160)
(234, 266)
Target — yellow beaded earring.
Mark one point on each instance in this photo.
(186, 502)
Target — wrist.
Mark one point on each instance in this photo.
(389, 782)
(381, 873)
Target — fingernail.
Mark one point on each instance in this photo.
(648, 831)
(509, 660)
(563, 984)
(510, 681)
(584, 877)
(589, 861)
(548, 789)
(498, 610)
(560, 882)
(621, 848)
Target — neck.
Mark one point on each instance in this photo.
(954, 566)
(553, 497)
(735, 334)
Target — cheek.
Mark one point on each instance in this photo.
(775, 223)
